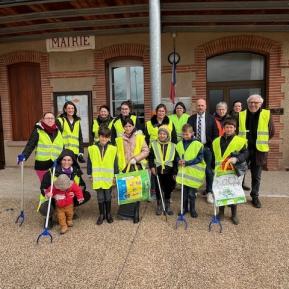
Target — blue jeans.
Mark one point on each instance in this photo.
(208, 157)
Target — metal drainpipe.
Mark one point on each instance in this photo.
(155, 52)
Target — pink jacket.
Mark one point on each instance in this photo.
(129, 145)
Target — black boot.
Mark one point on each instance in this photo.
(256, 202)
(101, 214)
(234, 217)
(221, 213)
(193, 212)
(108, 214)
(136, 213)
(159, 209)
(168, 208)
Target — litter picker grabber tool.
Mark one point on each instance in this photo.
(20, 219)
(162, 198)
(46, 232)
(215, 219)
(181, 217)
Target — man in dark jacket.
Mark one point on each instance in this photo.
(204, 126)
(256, 125)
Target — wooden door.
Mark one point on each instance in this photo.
(2, 155)
(25, 96)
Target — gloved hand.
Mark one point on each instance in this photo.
(132, 161)
(81, 158)
(20, 158)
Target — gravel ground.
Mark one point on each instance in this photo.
(151, 254)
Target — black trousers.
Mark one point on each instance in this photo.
(256, 172)
(167, 184)
(103, 195)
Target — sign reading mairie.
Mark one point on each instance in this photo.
(71, 43)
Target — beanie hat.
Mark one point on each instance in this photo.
(164, 129)
(63, 182)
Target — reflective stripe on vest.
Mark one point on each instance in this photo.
(95, 129)
(236, 145)
(262, 141)
(46, 149)
(159, 157)
(193, 176)
(118, 125)
(102, 167)
(153, 130)
(179, 122)
(70, 138)
(139, 141)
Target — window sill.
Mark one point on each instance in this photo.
(16, 143)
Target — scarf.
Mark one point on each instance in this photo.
(49, 129)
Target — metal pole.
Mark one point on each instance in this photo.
(155, 52)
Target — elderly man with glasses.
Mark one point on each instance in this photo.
(256, 125)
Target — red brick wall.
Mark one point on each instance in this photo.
(274, 95)
(16, 57)
(125, 50)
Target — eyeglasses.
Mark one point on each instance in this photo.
(49, 118)
(254, 102)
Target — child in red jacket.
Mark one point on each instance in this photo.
(63, 192)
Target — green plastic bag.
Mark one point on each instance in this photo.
(133, 186)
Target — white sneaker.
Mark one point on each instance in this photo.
(210, 198)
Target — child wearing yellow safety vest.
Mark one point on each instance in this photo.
(132, 152)
(229, 149)
(69, 125)
(192, 168)
(162, 162)
(102, 166)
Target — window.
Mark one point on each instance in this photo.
(127, 83)
(234, 76)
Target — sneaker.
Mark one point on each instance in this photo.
(210, 198)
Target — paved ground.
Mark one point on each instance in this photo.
(151, 254)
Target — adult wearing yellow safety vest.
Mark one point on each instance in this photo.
(131, 150)
(46, 138)
(229, 149)
(158, 120)
(103, 119)
(179, 118)
(118, 123)
(66, 164)
(69, 125)
(256, 125)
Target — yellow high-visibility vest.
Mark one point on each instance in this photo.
(102, 167)
(236, 145)
(153, 131)
(46, 149)
(262, 141)
(118, 125)
(139, 141)
(70, 138)
(95, 129)
(193, 176)
(179, 122)
(160, 159)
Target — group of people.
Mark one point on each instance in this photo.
(178, 148)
